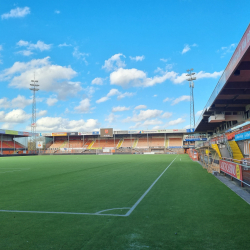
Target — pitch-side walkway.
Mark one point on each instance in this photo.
(235, 188)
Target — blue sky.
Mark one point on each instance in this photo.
(119, 64)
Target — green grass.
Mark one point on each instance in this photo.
(186, 200)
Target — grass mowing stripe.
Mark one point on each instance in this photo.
(141, 198)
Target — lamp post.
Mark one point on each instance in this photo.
(191, 78)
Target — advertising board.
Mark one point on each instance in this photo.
(59, 134)
(242, 136)
(95, 133)
(106, 132)
(2, 131)
(72, 133)
(39, 144)
(46, 134)
(121, 132)
(84, 133)
(11, 132)
(26, 133)
(231, 168)
(195, 139)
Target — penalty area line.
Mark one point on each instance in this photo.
(141, 198)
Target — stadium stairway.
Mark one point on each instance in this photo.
(120, 143)
(166, 143)
(135, 143)
(236, 150)
(64, 143)
(91, 144)
(216, 148)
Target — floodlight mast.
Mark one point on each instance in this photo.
(191, 86)
(33, 118)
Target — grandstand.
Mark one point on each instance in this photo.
(14, 142)
(157, 141)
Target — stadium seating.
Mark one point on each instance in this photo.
(127, 143)
(105, 143)
(150, 142)
(142, 143)
(58, 144)
(11, 144)
(175, 142)
(156, 142)
(77, 143)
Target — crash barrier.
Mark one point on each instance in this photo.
(239, 171)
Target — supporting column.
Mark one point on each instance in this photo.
(14, 144)
(131, 142)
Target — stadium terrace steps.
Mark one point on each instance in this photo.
(91, 144)
(64, 144)
(216, 148)
(236, 150)
(166, 143)
(120, 143)
(135, 143)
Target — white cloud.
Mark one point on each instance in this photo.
(120, 109)
(185, 49)
(61, 124)
(84, 106)
(41, 113)
(144, 115)
(137, 78)
(167, 115)
(114, 62)
(126, 94)
(103, 99)
(181, 99)
(97, 81)
(167, 99)
(183, 77)
(154, 95)
(188, 47)
(17, 12)
(227, 49)
(51, 101)
(137, 58)
(54, 78)
(14, 116)
(199, 113)
(164, 60)
(186, 127)
(40, 45)
(57, 11)
(175, 122)
(141, 107)
(1, 47)
(90, 90)
(111, 118)
(25, 52)
(152, 122)
(18, 102)
(79, 55)
(64, 45)
(113, 92)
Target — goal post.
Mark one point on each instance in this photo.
(104, 151)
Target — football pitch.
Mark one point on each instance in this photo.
(117, 202)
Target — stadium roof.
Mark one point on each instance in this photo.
(232, 92)
(15, 133)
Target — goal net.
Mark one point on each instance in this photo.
(104, 152)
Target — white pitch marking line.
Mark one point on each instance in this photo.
(48, 212)
(141, 198)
